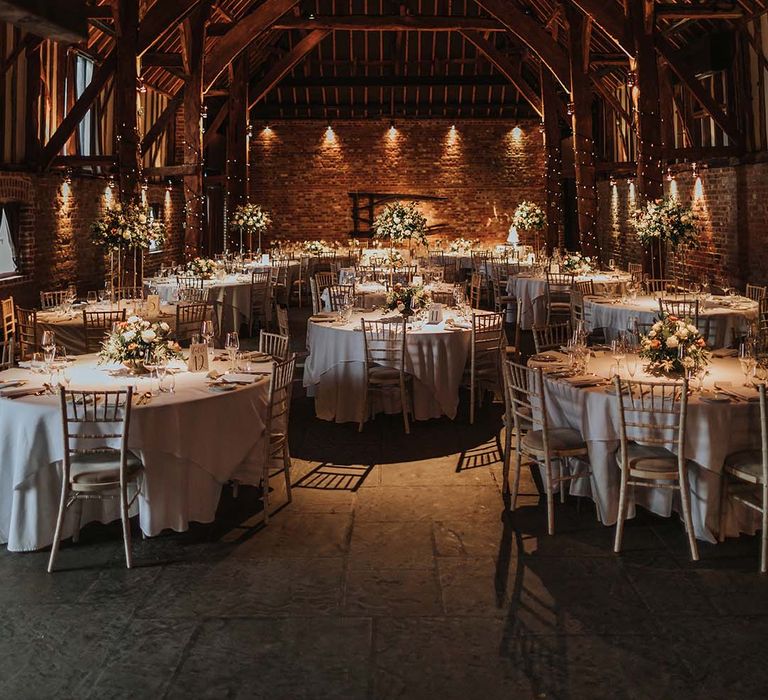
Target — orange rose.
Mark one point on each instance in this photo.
(701, 342)
(655, 344)
(672, 318)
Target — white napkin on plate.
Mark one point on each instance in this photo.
(240, 378)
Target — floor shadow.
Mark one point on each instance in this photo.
(335, 477)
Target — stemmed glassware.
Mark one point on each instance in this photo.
(748, 362)
(206, 332)
(48, 343)
(619, 350)
(232, 344)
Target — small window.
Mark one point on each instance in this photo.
(9, 229)
(156, 212)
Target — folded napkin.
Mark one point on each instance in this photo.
(583, 380)
(322, 319)
(458, 323)
(725, 352)
(240, 378)
(740, 392)
(11, 383)
(17, 393)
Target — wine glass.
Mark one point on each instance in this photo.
(103, 295)
(91, 297)
(632, 361)
(48, 343)
(619, 349)
(232, 344)
(161, 369)
(748, 362)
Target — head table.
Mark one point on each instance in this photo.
(69, 330)
(335, 371)
(716, 427)
(530, 291)
(191, 442)
(727, 316)
(230, 296)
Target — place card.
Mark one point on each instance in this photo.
(435, 314)
(152, 305)
(265, 259)
(198, 357)
(418, 280)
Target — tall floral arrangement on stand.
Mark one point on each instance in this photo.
(402, 224)
(529, 216)
(124, 228)
(249, 220)
(666, 222)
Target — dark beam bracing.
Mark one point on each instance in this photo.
(66, 22)
(391, 23)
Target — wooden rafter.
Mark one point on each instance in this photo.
(608, 16)
(532, 34)
(162, 122)
(240, 35)
(61, 21)
(506, 67)
(163, 17)
(284, 66)
(391, 23)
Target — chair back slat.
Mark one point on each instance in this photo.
(8, 311)
(340, 295)
(189, 319)
(96, 326)
(50, 300)
(384, 343)
(120, 293)
(274, 344)
(26, 332)
(189, 281)
(7, 353)
(552, 336)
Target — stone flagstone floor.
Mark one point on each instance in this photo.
(395, 573)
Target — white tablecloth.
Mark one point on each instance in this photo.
(335, 371)
(191, 443)
(231, 298)
(714, 431)
(531, 293)
(724, 320)
(70, 332)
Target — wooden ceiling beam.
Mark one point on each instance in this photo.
(240, 35)
(530, 32)
(687, 75)
(377, 81)
(162, 59)
(609, 59)
(391, 23)
(66, 22)
(509, 69)
(162, 17)
(284, 66)
(608, 16)
(674, 12)
(162, 122)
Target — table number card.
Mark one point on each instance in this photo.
(153, 305)
(265, 259)
(554, 269)
(418, 280)
(435, 314)
(198, 358)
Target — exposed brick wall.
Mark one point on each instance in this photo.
(56, 247)
(303, 178)
(732, 203)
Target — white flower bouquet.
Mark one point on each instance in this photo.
(529, 216)
(250, 218)
(577, 264)
(461, 245)
(129, 226)
(407, 299)
(394, 259)
(135, 341)
(667, 221)
(401, 223)
(674, 347)
(202, 267)
(315, 247)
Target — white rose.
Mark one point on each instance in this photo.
(693, 330)
(133, 319)
(128, 336)
(142, 219)
(148, 335)
(400, 306)
(164, 326)
(672, 341)
(682, 333)
(652, 334)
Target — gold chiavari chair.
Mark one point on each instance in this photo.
(98, 470)
(128, 293)
(526, 411)
(195, 295)
(281, 314)
(323, 280)
(340, 295)
(97, 325)
(26, 332)
(315, 296)
(636, 271)
(657, 285)
(552, 336)
(50, 300)
(558, 295)
(475, 290)
(653, 418)
(755, 292)
(277, 455)
(745, 481)
(385, 364)
(8, 311)
(274, 344)
(189, 319)
(585, 287)
(483, 371)
(260, 300)
(684, 309)
(301, 283)
(189, 281)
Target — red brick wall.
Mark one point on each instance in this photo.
(56, 247)
(732, 203)
(303, 178)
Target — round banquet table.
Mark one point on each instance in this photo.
(368, 295)
(727, 315)
(714, 430)
(191, 442)
(231, 298)
(531, 293)
(69, 330)
(334, 372)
